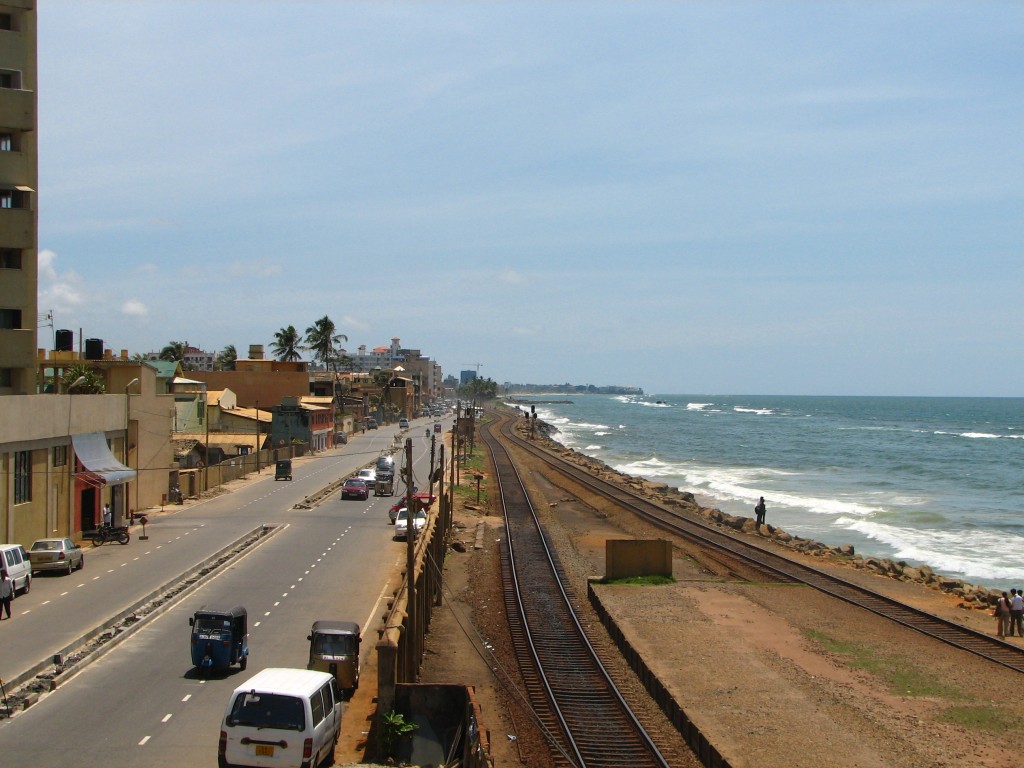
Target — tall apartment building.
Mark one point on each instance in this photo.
(19, 171)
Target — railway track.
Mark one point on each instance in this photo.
(585, 717)
(774, 565)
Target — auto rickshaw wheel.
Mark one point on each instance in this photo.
(243, 663)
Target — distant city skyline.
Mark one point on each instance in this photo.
(793, 198)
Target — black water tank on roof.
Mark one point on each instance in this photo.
(65, 340)
(94, 349)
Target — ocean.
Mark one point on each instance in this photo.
(936, 481)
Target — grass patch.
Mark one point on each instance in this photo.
(898, 672)
(980, 718)
(640, 581)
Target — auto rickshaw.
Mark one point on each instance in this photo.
(283, 470)
(220, 638)
(385, 486)
(334, 648)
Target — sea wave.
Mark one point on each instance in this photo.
(698, 406)
(977, 555)
(758, 411)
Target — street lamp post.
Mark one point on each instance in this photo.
(127, 428)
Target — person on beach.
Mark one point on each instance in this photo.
(1002, 614)
(759, 510)
(1016, 612)
(6, 594)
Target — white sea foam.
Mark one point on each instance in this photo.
(977, 554)
(758, 411)
(592, 448)
(698, 406)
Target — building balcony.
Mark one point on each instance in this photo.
(17, 348)
(17, 165)
(18, 109)
(17, 228)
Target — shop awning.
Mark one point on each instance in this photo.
(100, 465)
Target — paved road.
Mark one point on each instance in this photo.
(141, 703)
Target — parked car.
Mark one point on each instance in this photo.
(403, 423)
(14, 560)
(354, 488)
(419, 519)
(393, 512)
(368, 476)
(56, 555)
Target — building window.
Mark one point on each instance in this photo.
(14, 198)
(60, 455)
(10, 78)
(10, 318)
(8, 22)
(6, 377)
(10, 258)
(22, 477)
(6, 142)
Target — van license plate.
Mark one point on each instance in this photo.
(265, 750)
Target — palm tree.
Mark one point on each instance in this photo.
(322, 341)
(80, 379)
(226, 358)
(174, 351)
(286, 344)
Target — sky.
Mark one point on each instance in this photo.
(689, 197)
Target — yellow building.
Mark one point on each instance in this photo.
(19, 170)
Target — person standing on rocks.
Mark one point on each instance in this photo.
(1016, 612)
(760, 510)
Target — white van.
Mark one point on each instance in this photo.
(281, 717)
(14, 560)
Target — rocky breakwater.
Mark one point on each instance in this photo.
(972, 597)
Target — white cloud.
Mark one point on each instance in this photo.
(61, 292)
(135, 308)
(259, 268)
(512, 277)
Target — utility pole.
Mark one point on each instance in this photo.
(410, 553)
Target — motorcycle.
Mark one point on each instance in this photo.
(106, 533)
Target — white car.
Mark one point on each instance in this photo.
(419, 519)
(368, 476)
(403, 423)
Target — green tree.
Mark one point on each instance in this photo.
(226, 358)
(287, 344)
(80, 379)
(322, 341)
(174, 351)
(479, 389)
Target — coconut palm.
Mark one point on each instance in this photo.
(226, 358)
(174, 351)
(287, 344)
(323, 342)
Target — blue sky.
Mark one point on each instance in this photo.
(706, 197)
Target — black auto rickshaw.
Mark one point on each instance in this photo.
(334, 648)
(283, 470)
(220, 638)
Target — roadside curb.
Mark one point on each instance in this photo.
(192, 578)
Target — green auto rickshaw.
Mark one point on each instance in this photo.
(334, 648)
(283, 470)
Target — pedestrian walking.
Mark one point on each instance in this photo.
(1016, 612)
(760, 510)
(1002, 614)
(6, 595)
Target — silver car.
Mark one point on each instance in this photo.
(56, 555)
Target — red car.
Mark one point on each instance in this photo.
(355, 488)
